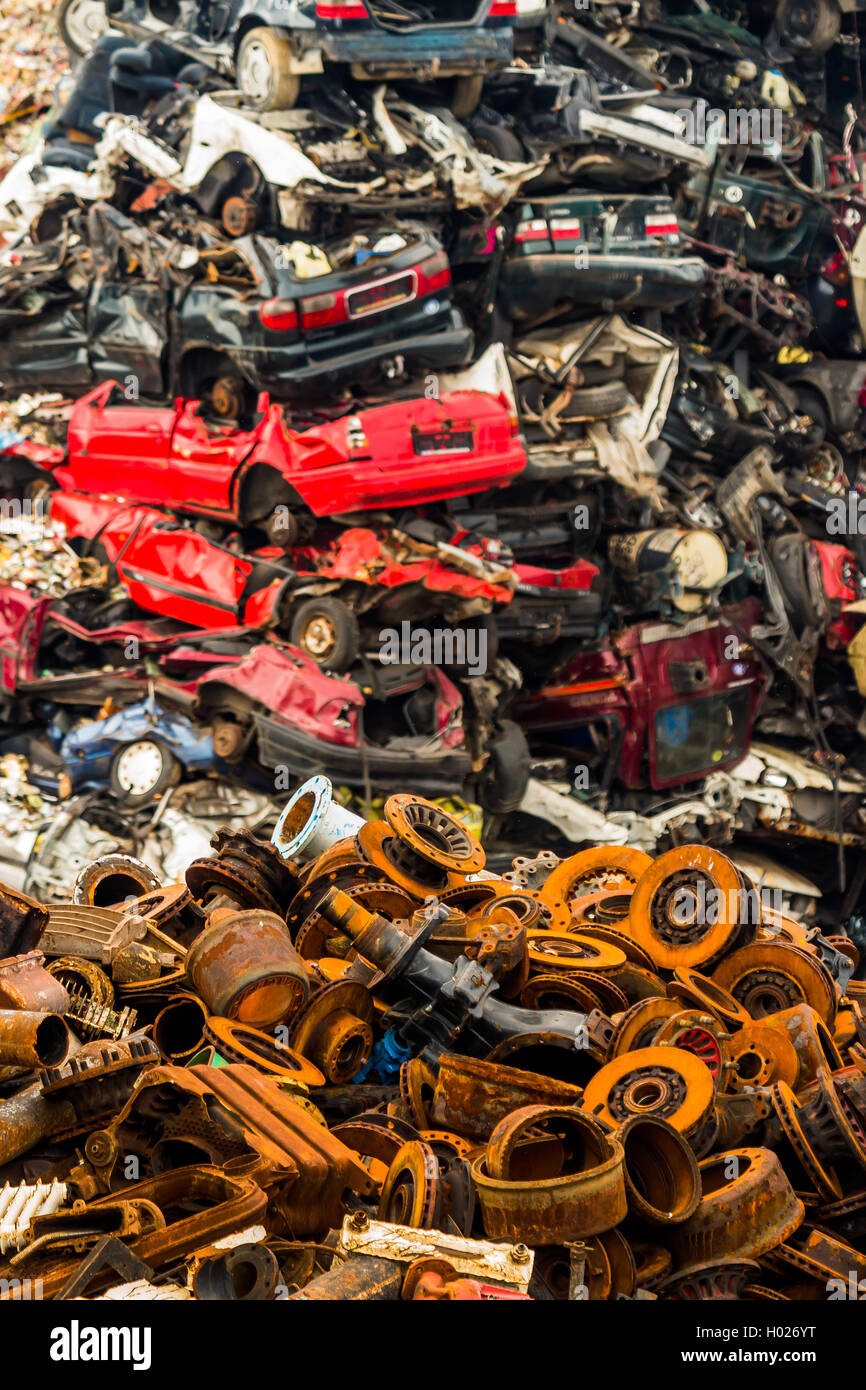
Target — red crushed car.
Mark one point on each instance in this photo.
(319, 595)
(405, 453)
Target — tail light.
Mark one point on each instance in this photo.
(346, 10)
(534, 230)
(279, 315)
(661, 224)
(836, 270)
(323, 310)
(503, 9)
(434, 274)
(565, 228)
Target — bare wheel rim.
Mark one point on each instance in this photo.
(85, 22)
(140, 767)
(256, 74)
(320, 636)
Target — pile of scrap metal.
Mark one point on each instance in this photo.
(351, 1062)
(463, 400)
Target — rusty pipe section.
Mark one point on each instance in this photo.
(32, 1040)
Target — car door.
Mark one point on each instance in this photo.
(119, 448)
(47, 350)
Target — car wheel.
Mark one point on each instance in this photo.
(496, 140)
(263, 71)
(809, 27)
(142, 770)
(465, 95)
(81, 23)
(597, 402)
(327, 630)
(227, 396)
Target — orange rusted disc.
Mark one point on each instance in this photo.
(660, 1081)
(637, 983)
(605, 866)
(569, 951)
(613, 999)
(772, 975)
(761, 1055)
(691, 906)
(333, 1029)
(693, 988)
(417, 1084)
(240, 1042)
(412, 1192)
(634, 954)
(639, 1025)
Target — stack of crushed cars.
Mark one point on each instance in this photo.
(350, 1061)
(448, 400)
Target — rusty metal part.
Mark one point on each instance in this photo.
(771, 976)
(740, 1115)
(417, 1087)
(659, 1081)
(91, 998)
(612, 936)
(22, 922)
(637, 983)
(560, 991)
(73, 1097)
(178, 1029)
(138, 963)
(747, 1207)
(571, 1056)
(334, 1029)
(652, 1264)
(162, 904)
(821, 1174)
(79, 1228)
(472, 1097)
(662, 1181)
(605, 909)
(553, 951)
(26, 984)
(376, 1137)
(761, 1054)
(32, 1039)
(612, 998)
(711, 1281)
(704, 993)
(821, 1256)
(702, 1035)
(560, 1177)
(509, 1265)
(244, 966)
(832, 1125)
(246, 1273)
(617, 1251)
(316, 936)
(692, 906)
(606, 866)
(412, 1191)
(811, 1039)
(89, 933)
(112, 880)
(638, 1026)
(183, 1114)
(221, 1204)
(245, 872)
(240, 1042)
(427, 832)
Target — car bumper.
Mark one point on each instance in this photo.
(281, 745)
(432, 53)
(532, 284)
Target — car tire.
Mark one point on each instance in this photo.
(812, 35)
(506, 774)
(263, 70)
(496, 140)
(142, 770)
(465, 95)
(327, 630)
(81, 23)
(598, 402)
